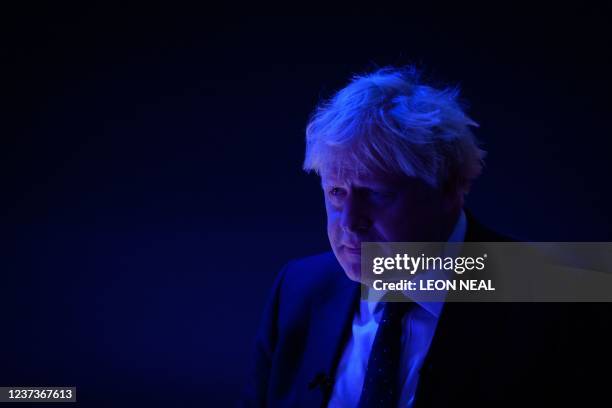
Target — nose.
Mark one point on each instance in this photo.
(354, 217)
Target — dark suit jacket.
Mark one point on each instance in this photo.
(482, 354)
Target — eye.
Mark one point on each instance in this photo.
(336, 191)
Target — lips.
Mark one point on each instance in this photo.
(352, 249)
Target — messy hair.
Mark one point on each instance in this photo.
(391, 121)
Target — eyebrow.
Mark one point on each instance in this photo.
(368, 184)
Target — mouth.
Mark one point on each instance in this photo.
(352, 250)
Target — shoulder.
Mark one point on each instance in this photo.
(303, 285)
(311, 274)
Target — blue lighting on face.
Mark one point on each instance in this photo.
(154, 185)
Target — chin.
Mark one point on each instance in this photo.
(353, 277)
(352, 271)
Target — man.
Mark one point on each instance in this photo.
(396, 159)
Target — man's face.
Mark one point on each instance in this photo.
(378, 207)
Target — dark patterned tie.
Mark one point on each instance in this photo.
(381, 386)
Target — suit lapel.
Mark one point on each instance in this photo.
(438, 378)
(331, 317)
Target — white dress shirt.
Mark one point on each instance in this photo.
(418, 328)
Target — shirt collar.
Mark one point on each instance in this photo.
(434, 307)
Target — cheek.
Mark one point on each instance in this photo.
(332, 214)
(399, 223)
(334, 230)
(385, 230)
(410, 226)
(332, 225)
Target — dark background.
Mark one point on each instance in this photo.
(153, 185)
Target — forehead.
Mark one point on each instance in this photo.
(341, 175)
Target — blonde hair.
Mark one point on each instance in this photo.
(389, 121)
